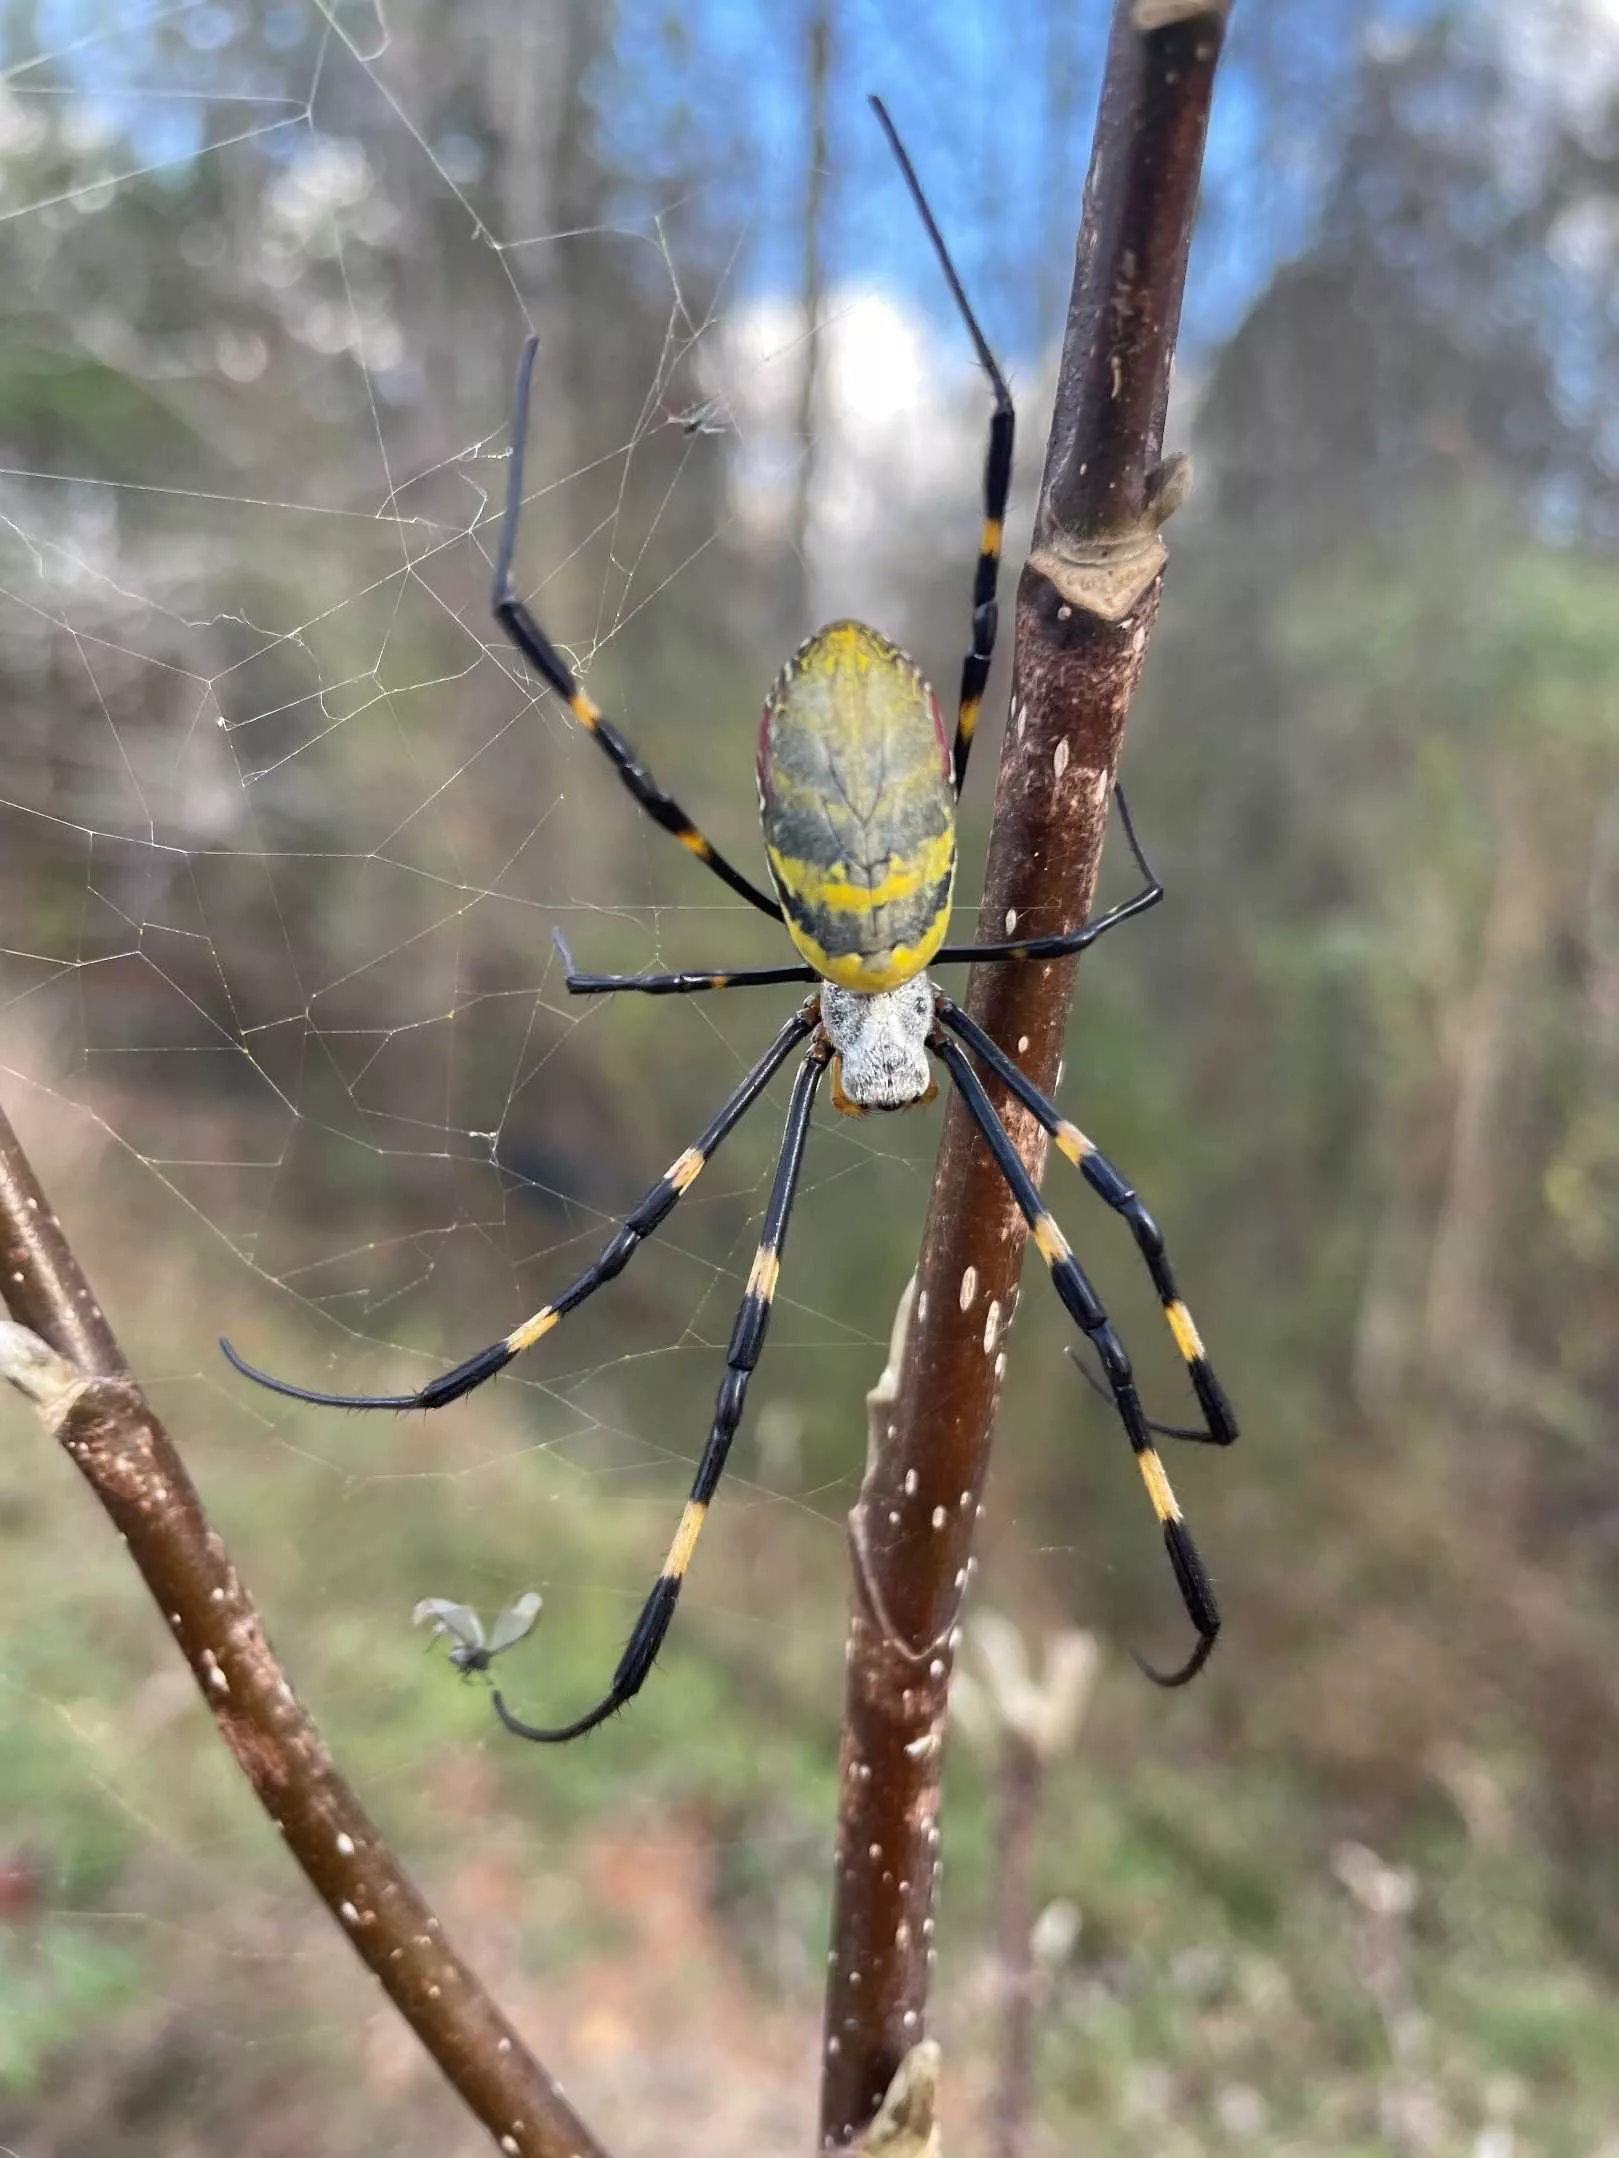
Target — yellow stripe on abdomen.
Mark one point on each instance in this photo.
(820, 888)
(825, 911)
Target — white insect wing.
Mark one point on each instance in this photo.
(458, 1620)
(515, 1621)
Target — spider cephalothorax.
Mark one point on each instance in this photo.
(857, 796)
(881, 1042)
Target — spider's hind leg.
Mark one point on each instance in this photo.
(741, 1359)
(1085, 1308)
(621, 1247)
(1219, 1419)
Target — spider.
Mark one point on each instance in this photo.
(857, 792)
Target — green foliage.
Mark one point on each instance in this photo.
(52, 1987)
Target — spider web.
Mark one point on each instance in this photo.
(287, 830)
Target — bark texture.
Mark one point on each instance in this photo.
(1086, 602)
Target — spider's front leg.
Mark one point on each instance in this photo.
(997, 477)
(515, 618)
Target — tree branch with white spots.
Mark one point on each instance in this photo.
(60, 1353)
(1086, 603)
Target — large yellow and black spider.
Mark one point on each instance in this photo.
(857, 794)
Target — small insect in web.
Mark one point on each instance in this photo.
(858, 784)
(707, 418)
(474, 1650)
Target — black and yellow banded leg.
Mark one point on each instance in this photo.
(975, 664)
(521, 627)
(997, 475)
(1069, 942)
(747, 1341)
(1084, 1307)
(1220, 1423)
(659, 1202)
(673, 985)
(684, 985)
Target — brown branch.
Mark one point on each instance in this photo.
(62, 1355)
(39, 1276)
(1086, 603)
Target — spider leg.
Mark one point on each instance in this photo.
(660, 1201)
(747, 1341)
(685, 985)
(1158, 1430)
(1220, 1423)
(520, 626)
(1077, 940)
(673, 985)
(997, 475)
(1084, 1307)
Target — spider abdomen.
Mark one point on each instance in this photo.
(858, 809)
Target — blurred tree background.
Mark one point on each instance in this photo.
(284, 833)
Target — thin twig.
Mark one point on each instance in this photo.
(1020, 1780)
(62, 1356)
(1028, 1720)
(1086, 603)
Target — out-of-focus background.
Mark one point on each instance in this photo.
(285, 831)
